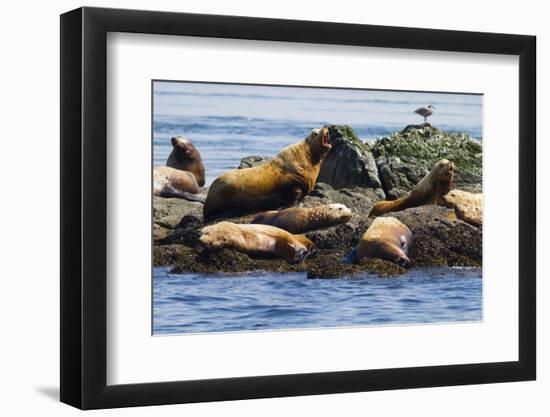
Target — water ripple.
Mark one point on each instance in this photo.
(191, 303)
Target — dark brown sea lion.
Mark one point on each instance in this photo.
(430, 190)
(283, 181)
(386, 238)
(302, 220)
(186, 157)
(257, 239)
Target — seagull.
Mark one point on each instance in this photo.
(425, 112)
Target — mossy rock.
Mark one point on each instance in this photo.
(405, 157)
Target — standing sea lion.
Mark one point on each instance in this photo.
(184, 173)
(430, 190)
(186, 157)
(288, 177)
(301, 219)
(257, 238)
(386, 238)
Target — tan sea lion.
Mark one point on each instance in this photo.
(468, 206)
(170, 182)
(301, 219)
(386, 238)
(186, 157)
(283, 181)
(430, 190)
(257, 239)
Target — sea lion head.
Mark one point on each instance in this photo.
(444, 170)
(215, 236)
(184, 149)
(186, 157)
(319, 141)
(338, 213)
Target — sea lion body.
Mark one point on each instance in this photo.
(170, 182)
(468, 206)
(186, 157)
(183, 174)
(283, 181)
(302, 220)
(430, 190)
(257, 239)
(386, 238)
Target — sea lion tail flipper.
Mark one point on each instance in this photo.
(350, 258)
(182, 194)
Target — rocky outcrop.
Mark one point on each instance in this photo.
(405, 157)
(349, 163)
(440, 238)
(173, 213)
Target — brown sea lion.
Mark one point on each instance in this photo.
(301, 219)
(284, 180)
(430, 190)
(468, 206)
(186, 157)
(257, 239)
(386, 238)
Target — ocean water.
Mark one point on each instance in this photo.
(191, 303)
(229, 122)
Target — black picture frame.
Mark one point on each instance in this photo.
(84, 207)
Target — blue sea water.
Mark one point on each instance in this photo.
(228, 122)
(194, 303)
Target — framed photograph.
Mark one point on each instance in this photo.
(260, 208)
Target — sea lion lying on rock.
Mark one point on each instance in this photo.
(430, 190)
(257, 239)
(301, 219)
(283, 181)
(183, 174)
(386, 238)
(468, 206)
(169, 182)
